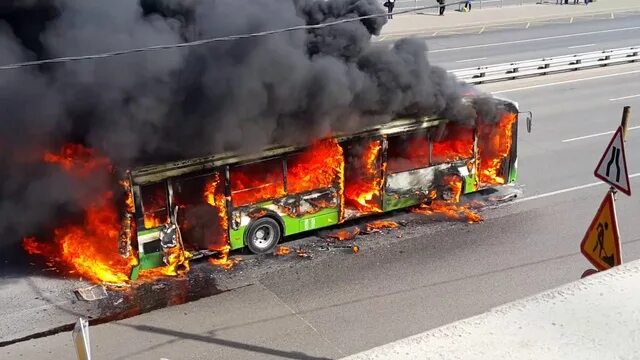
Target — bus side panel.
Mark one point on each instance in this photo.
(150, 250)
(322, 219)
(470, 183)
(394, 202)
(150, 254)
(236, 237)
(408, 188)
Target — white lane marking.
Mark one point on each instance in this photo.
(534, 39)
(624, 97)
(566, 82)
(579, 46)
(469, 60)
(598, 134)
(558, 192)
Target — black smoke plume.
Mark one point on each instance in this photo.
(234, 95)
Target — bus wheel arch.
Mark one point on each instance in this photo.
(263, 234)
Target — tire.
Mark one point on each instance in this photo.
(263, 235)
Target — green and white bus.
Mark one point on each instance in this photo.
(229, 201)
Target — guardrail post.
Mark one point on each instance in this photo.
(514, 70)
(578, 62)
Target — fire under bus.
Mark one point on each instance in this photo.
(223, 202)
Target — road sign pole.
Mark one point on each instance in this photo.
(626, 113)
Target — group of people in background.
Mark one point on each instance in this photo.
(575, 2)
(466, 7)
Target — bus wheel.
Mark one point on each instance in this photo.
(263, 235)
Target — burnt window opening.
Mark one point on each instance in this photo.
(316, 168)
(408, 152)
(452, 143)
(154, 203)
(363, 175)
(202, 221)
(256, 182)
(362, 158)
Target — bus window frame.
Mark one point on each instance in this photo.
(474, 138)
(408, 134)
(138, 189)
(228, 179)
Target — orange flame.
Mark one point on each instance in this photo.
(321, 166)
(450, 208)
(178, 261)
(362, 193)
(282, 251)
(78, 160)
(457, 145)
(342, 235)
(214, 196)
(157, 200)
(411, 153)
(381, 224)
(90, 248)
(152, 221)
(129, 199)
(494, 144)
(223, 260)
(256, 183)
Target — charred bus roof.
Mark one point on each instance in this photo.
(158, 172)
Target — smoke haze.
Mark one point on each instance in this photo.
(235, 95)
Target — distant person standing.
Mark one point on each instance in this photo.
(467, 6)
(442, 7)
(389, 4)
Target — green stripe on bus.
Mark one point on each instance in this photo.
(391, 202)
(292, 225)
(470, 184)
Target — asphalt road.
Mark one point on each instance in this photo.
(438, 272)
(508, 45)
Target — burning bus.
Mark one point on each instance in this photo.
(227, 201)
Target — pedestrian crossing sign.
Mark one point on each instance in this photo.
(601, 243)
(612, 167)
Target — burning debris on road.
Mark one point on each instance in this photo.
(61, 158)
(224, 261)
(380, 224)
(282, 251)
(342, 235)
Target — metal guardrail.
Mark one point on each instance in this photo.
(545, 66)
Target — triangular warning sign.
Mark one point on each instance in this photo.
(612, 167)
(601, 243)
